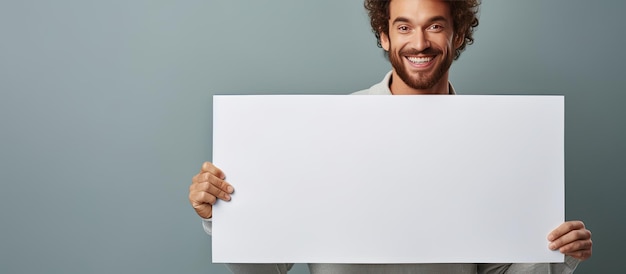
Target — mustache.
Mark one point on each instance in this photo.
(428, 51)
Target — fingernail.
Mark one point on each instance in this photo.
(552, 246)
(550, 238)
(230, 189)
(227, 197)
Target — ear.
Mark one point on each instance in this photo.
(458, 40)
(384, 41)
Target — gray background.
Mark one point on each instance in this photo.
(105, 112)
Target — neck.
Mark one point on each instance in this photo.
(399, 87)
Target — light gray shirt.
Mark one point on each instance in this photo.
(382, 88)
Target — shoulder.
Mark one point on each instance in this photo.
(381, 88)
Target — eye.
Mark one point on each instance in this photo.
(436, 28)
(404, 29)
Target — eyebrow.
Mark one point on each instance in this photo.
(407, 20)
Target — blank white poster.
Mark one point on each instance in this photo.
(388, 179)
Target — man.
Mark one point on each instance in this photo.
(421, 38)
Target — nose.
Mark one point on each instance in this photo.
(420, 41)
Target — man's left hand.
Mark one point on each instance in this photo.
(573, 239)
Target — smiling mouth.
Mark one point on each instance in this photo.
(420, 60)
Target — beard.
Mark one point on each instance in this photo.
(424, 80)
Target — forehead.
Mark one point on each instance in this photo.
(419, 10)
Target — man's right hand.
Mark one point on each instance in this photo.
(206, 187)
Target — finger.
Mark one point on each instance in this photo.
(198, 198)
(581, 255)
(209, 167)
(222, 185)
(212, 179)
(571, 237)
(217, 192)
(201, 177)
(198, 180)
(576, 246)
(565, 228)
(202, 203)
(213, 188)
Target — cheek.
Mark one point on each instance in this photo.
(447, 45)
(398, 43)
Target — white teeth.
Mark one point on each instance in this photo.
(420, 60)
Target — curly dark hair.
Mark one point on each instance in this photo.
(464, 17)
